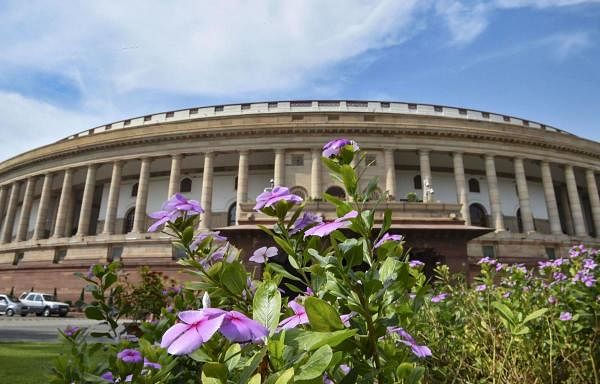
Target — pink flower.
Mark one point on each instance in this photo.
(326, 228)
(262, 254)
(298, 318)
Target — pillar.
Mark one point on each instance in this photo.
(574, 201)
(242, 184)
(42, 213)
(594, 199)
(207, 190)
(23, 225)
(83, 228)
(461, 187)
(550, 197)
(315, 174)
(175, 175)
(63, 204)
(139, 218)
(390, 173)
(523, 192)
(113, 198)
(279, 169)
(11, 211)
(492, 181)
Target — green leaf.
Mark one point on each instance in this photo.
(233, 277)
(322, 315)
(316, 364)
(267, 305)
(94, 313)
(277, 268)
(286, 376)
(534, 315)
(214, 373)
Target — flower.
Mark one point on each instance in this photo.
(388, 237)
(262, 254)
(298, 318)
(334, 147)
(268, 198)
(480, 288)
(108, 376)
(195, 328)
(438, 298)
(70, 331)
(172, 210)
(565, 316)
(416, 263)
(130, 356)
(237, 327)
(325, 229)
(148, 363)
(307, 219)
(406, 339)
(201, 236)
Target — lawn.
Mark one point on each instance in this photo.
(27, 363)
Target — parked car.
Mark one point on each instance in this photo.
(43, 304)
(10, 306)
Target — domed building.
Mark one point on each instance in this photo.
(493, 185)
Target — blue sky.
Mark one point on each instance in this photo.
(68, 66)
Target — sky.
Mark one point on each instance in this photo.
(68, 66)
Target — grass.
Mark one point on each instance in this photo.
(27, 363)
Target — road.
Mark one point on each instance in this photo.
(33, 328)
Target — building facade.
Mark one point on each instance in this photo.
(85, 198)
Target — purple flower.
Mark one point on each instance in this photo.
(237, 327)
(130, 356)
(148, 363)
(420, 351)
(108, 376)
(70, 331)
(565, 316)
(298, 318)
(268, 198)
(325, 229)
(480, 288)
(195, 328)
(416, 264)
(388, 237)
(262, 254)
(307, 219)
(334, 147)
(201, 236)
(438, 298)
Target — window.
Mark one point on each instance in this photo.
(417, 183)
(18, 257)
(478, 215)
(128, 222)
(231, 214)
(297, 159)
(185, 185)
(474, 185)
(115, 253)
(59, 255)
(299, 191)
(371, 160)
(134, 190)
(336, 191)
(488, 251)
(551, 253)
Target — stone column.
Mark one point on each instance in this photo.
(113, 198)
(316, 183)
(242, 184)
(63, 204)
(139, 218)
(550, 197)
(523, 192)
(23, 225)
(175, 175)
(492, 181)
(207, 190)
(3, 197)
(594, 199)
(83, 228)
(574, 201)
(461, 187)
(279, 171)
(390, 173)
(42, 213)
(11, 211)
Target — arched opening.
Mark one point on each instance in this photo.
(231, 213)
(418, 184)
(128, 221)
(478, 215)
(336, 191)
(185, 185)
(299, 191)
(134, 190)
(474, 185)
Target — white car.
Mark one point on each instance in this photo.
(43, 304)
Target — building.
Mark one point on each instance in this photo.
(85, 198)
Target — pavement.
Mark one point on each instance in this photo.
(32, 328)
